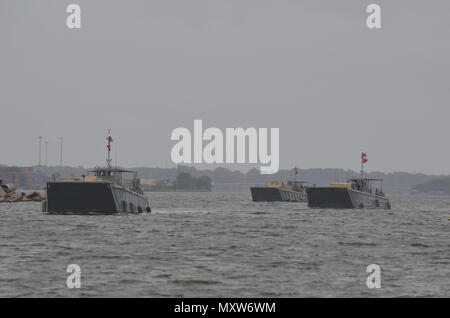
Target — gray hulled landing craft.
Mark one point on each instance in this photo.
(293, 191)
(105, 191)
(356, 193)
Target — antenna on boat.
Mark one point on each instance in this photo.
(115, 157)
(110, 140)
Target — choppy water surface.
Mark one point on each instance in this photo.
(223, 244)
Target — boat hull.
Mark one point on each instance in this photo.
(267, 194)
(344, 198)
(91, 197)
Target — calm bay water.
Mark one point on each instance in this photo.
(223, 244)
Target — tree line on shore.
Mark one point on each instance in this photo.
(401, 181)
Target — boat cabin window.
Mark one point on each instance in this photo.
(103, 173)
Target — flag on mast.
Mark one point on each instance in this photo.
(364, 157)
(110, 140)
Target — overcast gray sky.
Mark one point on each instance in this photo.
(311, 68)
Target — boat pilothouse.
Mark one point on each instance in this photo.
(115, 176)
(103, 190)
(371, 186)
(355, 193)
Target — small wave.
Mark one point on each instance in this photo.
(195, 282)
(163, 275)
(420, 245)
(358, 243)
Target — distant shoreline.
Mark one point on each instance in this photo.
(400, 182)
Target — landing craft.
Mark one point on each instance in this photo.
(104, 190)
(293, 191)
(355, 193)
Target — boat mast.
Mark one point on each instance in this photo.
(363, 161)
(362, 166)
(109, 139)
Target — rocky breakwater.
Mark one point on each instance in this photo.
(22, 197)
(8, 194)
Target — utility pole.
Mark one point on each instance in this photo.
(60, 150)
(46, 148)
(40, 143)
